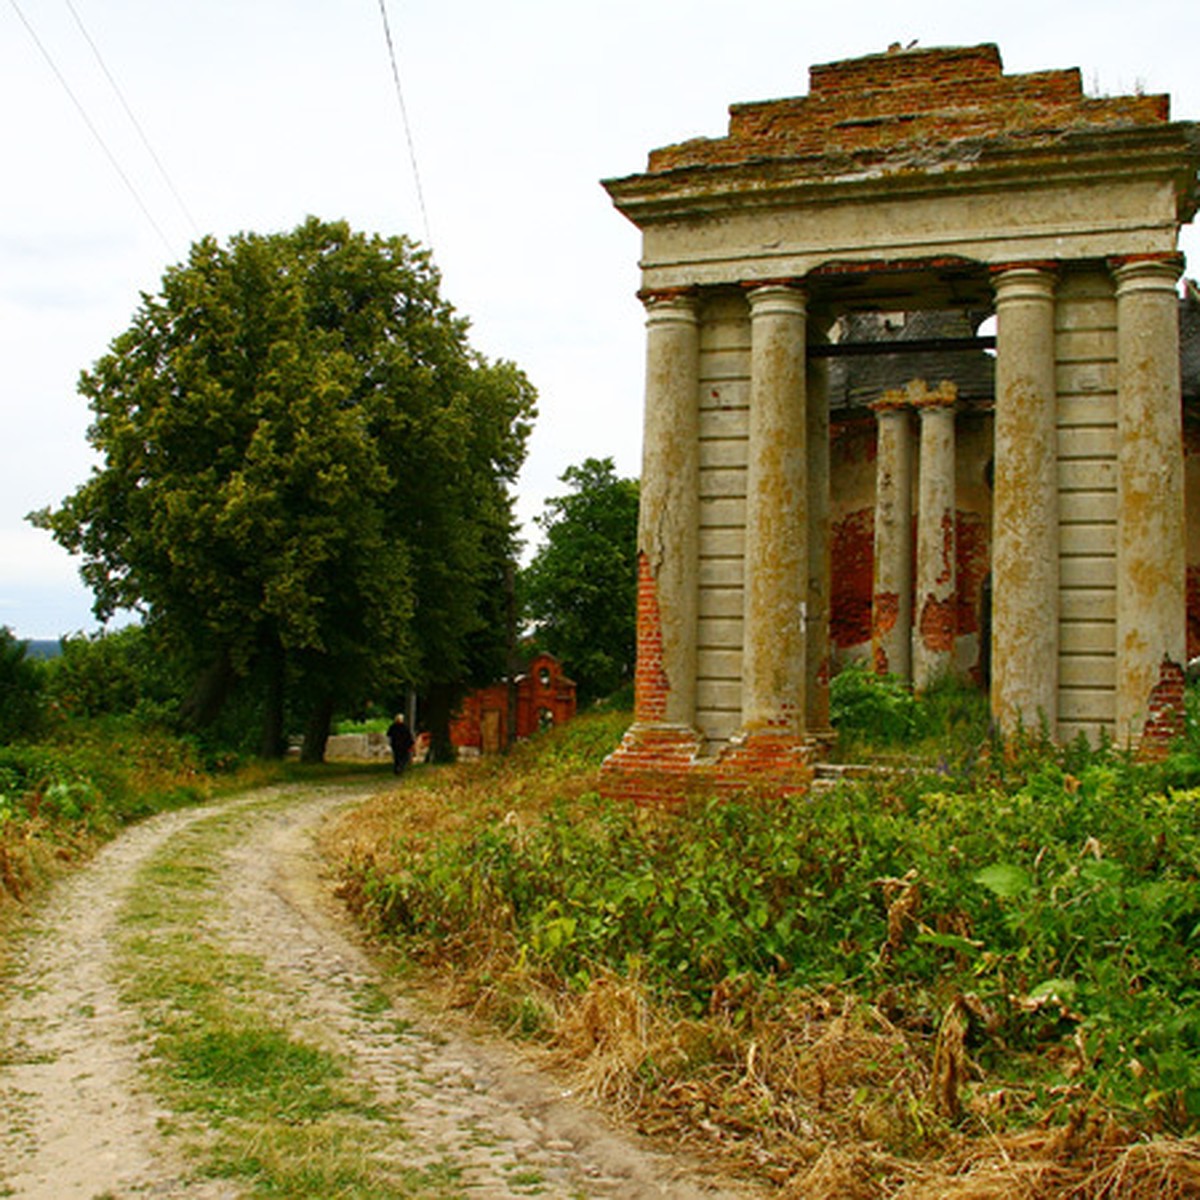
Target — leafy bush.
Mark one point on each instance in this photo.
(101, 776)
(865, 707)
(949, 722)
(57, 801)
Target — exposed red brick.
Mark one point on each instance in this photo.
(660, 766)
(555, 696)
(945, 573)
(872, 106)
(972, 542)
(852, 543)
(1164, 720)
(885, 611)
(650, 683)
(936, 624)
(1193, 611)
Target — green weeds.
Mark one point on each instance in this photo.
(1051, 899)
(878, 715)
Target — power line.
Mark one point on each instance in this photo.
(94, 131)
(133, 120)
(412, 154)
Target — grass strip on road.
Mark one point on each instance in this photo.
(255, 1099)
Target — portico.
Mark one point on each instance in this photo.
(912, 180)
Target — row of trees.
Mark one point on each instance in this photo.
(305, 492)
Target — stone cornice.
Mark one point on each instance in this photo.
(1036, 161)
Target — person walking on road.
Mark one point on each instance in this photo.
(401, 739)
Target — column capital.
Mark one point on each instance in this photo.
(663, 310)
(944, 396)
(790, 282)
(1042, 266)
(1142, 272)
(776, 296)
(892, 401)
(1024, 280)
(681, 297)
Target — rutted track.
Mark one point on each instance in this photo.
(79, 1120)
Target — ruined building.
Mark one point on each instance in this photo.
(799, 502)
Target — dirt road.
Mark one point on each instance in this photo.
(78, 1117)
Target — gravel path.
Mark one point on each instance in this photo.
(76, 1122)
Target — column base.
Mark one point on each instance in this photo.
(652, 765)
(662, 765)
(769, 761)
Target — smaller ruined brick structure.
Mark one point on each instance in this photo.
(909, 182)
(541, 696)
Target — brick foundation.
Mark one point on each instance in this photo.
(652, 765)
(662, 766)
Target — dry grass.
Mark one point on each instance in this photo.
(815, 1096)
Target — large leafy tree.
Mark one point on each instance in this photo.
(305, 476)
(580, 590)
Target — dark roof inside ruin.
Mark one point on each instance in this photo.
(856, 382)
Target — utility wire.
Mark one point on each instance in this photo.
(133, 120)
(412, 154)
(94, 131)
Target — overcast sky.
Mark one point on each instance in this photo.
(263, 111)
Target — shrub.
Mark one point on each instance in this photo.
(865, 707)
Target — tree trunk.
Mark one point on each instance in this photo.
(204, 701)
(274, 741)
(438, 708)
(316, 730)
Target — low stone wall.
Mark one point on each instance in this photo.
(358, 747)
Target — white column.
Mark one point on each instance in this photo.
(1151, 553)
(936, 624)
(774, 680)
(1025, 503)
(892, 589)
(668, 530)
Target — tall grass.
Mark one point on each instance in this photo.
(1019, 937)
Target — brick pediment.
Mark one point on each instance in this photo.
(885, 104)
